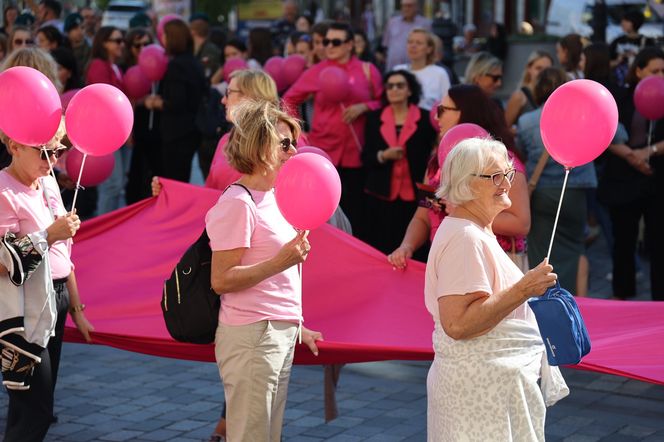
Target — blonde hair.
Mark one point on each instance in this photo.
(251, 146)
(36, 58)
(480, 64)
(532, 58)
(256, 85)
(471, 156)
(431, 43)
(53, 143)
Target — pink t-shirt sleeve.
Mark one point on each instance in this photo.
(230, 224)
(463, 269)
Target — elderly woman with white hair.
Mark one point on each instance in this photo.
(489, 355)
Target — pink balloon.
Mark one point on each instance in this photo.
(274, 67)
(30, 108)
(162, 22)
(294, 65)
(316, 150)
(333, 84)
(136, 83)
(457, 134)
(649, 97)
(578, 122)
(307, 190)
(66, 97)
(153, 62)
(433, 117)
(95, 171)
(99, 119)
(232, 65)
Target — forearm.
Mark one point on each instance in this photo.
(72, 288)
(417, 231)
(238, 278)
(509, 224)
(3, 270)
(621, 150)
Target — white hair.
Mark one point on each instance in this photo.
(470, 156)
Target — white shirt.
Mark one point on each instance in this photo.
(435, 83)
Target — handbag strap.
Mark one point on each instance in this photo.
(537, 173)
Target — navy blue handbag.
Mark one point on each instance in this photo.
(562, 328)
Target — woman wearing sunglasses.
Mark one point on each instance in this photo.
(36, 267)
(399, 142)
(20, 37)
(255, 266)
(486, 71)
(469, 104)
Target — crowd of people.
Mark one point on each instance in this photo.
(480, 215)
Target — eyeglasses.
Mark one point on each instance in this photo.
(45, 153)
(229, 91)
(140, 44)
(401, 85)
(286, 144)
(336, 42)
(22, 41)
(495, 77)
(498, 177)
(117, 41)
(441, 109)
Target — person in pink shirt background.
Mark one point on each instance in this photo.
(338, 128)
(255, 266)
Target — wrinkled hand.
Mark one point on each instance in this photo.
(638, 159)
(294, 251)
(393, 153)
(64, 227)
(83, 325)
(156, 186)
(309, 337)
(537, 280)
(399, 258)
(351, 113)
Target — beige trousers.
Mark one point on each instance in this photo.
(255, 363)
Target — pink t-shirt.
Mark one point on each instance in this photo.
(23, 210)
(237, 221)
(465, 258)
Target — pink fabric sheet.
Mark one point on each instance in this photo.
(366, 310)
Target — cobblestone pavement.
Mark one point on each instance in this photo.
(105, 394)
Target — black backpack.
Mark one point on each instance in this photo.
(189, 305)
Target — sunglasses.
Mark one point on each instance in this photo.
(400, 86)
(336, 42)
(140, 44)
(45, 153)
(498, 177)
(117, 41)
(229, 91)
(441, 109)
(21, 41)
(495, 77)
(286, 144)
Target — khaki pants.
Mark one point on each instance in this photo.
(255, 363)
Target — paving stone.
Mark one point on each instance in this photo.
(160, 435)
(322, 431)
(186, 425)
(581, 438)
(637, 431)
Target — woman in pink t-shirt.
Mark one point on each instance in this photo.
(256, 257)
(468, 104)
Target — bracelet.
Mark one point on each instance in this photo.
(77, 308)
(653, 149)
(381, 157)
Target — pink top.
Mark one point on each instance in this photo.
(101, 71)
(235, 222)
(328, 130)
(23, 210)
(464, 258)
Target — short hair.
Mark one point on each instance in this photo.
(200, 27)
(341, 26)
(178, 38)
(598, 62)
(52, 34)
(635, 17)
(54, 6)
(256, 84)
(573, 44)
(254, 135)
(645, 56)
(470, 156)
(413, 85)
(237, 44)
(480, 64)
(532, 58)
(321, 27)
(548, 81)
(431, 43)
(101, 37)
(36, 58)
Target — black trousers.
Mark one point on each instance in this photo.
(625, 219)
(30, 412)
(353, 198)
(176, 156)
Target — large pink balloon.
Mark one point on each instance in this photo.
(30, 108)
(66, 97)
(136, 83)
(153, 62)
(316, 150)
(162, 22)
(649, 97)
(456, 135)
(578, 122)
(293, 67)
(333, 84)
(99, 119)
(95, 170)
(274, 67)
(232, 65)
(307, 190)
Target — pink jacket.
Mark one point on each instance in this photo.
(101, 71)
(328, 130)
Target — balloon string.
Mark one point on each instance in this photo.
(78, 182)
(154, 91)
(560, 204)
(50, 165)
(352, 130)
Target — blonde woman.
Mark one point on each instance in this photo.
(421, 51)
(522, 100)
(485, 71)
